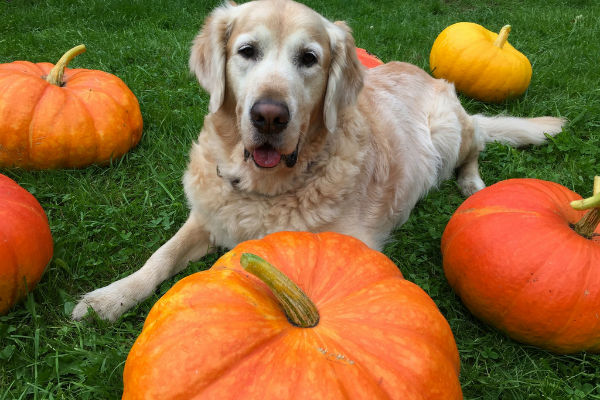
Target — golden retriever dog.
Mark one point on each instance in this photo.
(301, 137)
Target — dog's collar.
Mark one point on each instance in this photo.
(234, 182)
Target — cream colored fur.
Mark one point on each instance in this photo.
(370, 143)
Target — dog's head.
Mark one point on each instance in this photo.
(282, 69)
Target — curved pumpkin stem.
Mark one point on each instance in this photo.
(299, 309)
(502, 36)
(55, 77)
(588, 224)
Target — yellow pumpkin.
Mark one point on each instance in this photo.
(480, 63)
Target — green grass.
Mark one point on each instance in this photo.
(106, 221)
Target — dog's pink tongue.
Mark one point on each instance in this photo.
(266, 156)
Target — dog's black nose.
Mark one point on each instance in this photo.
(269, 116)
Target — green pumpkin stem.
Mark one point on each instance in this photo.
(587, 225)
(502, 36)
(298, 308)
(55, 77)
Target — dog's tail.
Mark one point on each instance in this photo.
(517, 131)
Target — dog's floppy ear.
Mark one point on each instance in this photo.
(208, 54)
(345, 73)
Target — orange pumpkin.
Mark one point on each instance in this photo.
(480, 63)
(367, 59)
(25, 243)
(524, 261)
(56, 117)
(361, 331)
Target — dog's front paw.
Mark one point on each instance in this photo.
(108, 303)
(470, 185)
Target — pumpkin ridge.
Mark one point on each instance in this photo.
(24, 79)
(333, 302)
(162, 316)
(427, 338)
(35, 109)
(330, 293)
(479, 69)
(422, 308)
(282, 258)
(55, 139)
(391, 327)
(374, 383)
(545, 195)
(116, 146)
(405, 370)
(173, 299)
(547, 192)
(326, 296)
(115, 82)
(223, 370)
(73, 74)
(8, 74)
(482, 81)
(575, 308)
(237, 362)
(455, 280)
(508, 309)
(85, 106)
(29, 207)
(17, 67)
(313, 276)
(480, 214)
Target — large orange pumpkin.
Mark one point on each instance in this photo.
(360, 332)
(480, 63)
(25, 243)
(56, 117)
(524, 261)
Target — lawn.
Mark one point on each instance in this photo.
(106, 221)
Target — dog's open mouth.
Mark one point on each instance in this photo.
(266, 156)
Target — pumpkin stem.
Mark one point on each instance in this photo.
(502, 36)
(299, 309)
(55, 77)
(590, 221)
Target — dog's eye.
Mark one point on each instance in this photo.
(308, 59)
(247, 51)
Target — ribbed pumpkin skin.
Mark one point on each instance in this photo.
(511, 255)
(464, 54)
(220, 334)
(25, 243)
(92, 118)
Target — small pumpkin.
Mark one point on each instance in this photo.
(480, 63)
(335, 320)
(55, 117)
(367, 59)
(25, 243)
(526, 262)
